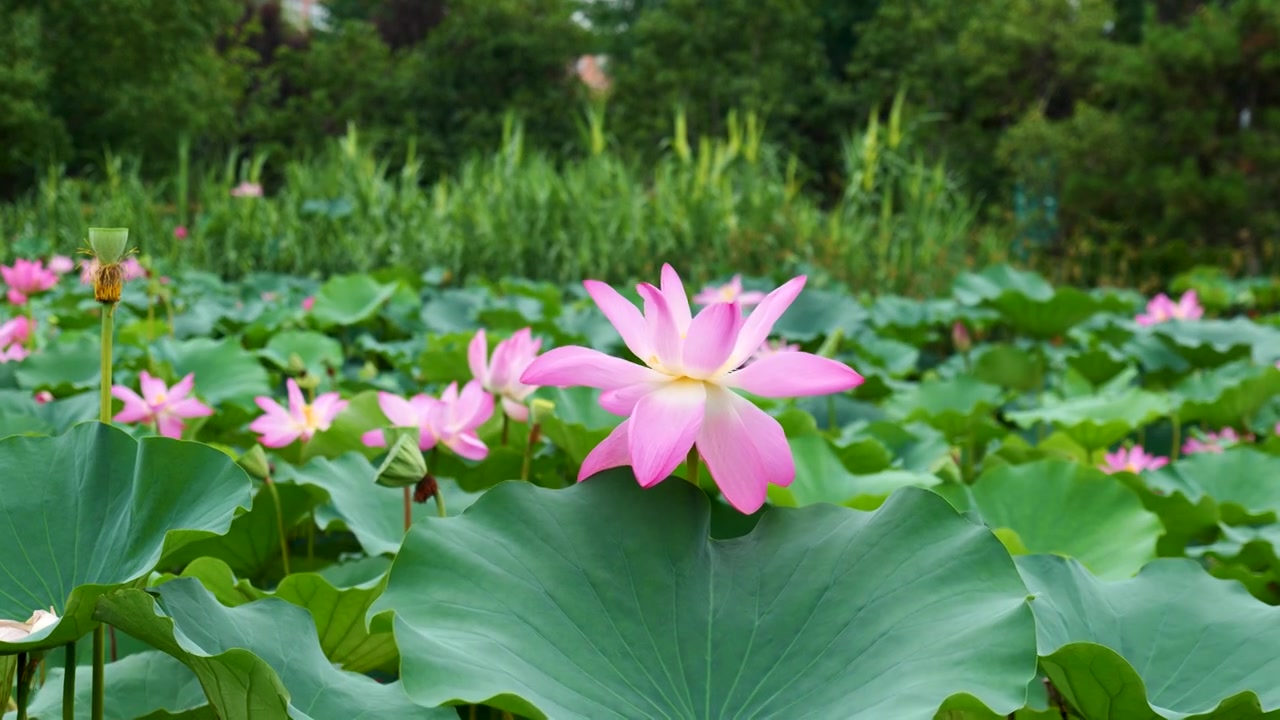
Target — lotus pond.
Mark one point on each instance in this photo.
(358, 498)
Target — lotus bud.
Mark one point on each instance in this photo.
(405, 464)
(960, 337)
(307, 381)
(541, 410)
(296, 365)
(254, 462)
(368, 373)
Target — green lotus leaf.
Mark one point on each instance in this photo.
(87, 512)
(318, 353)
(1010, 367)
(578, 423)
(1069, 509)
(338, 611)
(258, 661)
(361, 415)
(958, 407)
(1172, 642)
(605, 600)
(375, 514)
(1097, 421)
(1028, 303)
(819, 313)
(148, 686)
(225, 371)
(349, 300)
(821, 477)
(1098, 365)
(1225, 395)
(1209, 343)
(1248, 555)
(64, 367)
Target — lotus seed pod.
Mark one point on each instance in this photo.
(108, 244)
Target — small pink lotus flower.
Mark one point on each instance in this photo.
(1162, 309)
(61, 264)
(590, 70)
(268, 297)
(280, 427)
(501, 375)
(180, 232)
(14, 353)
(414, 412)
(308, 303)
(728, 293)
(14, 336)
(1213, 442)
(455, 419)
(1133, 460)
(247, 189)
(960, 337)
(683, 396)
(44, 396)
(26, 278)
(773, 347)
(160, 406)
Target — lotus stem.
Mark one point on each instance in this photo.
(24, 686)
(1177, 437)
(440, 503)
(99, 665)
(506, 425)
(31, 324)
(408, 507)
(69, 683)
(526, 465)
(284, 540)
(108, 313)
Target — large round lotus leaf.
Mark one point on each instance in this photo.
(821, 477)
(1172, 642)
(259, 661)
(1066, 508)
(1029, 303)
(317, 353)
(68, 365)
(87, 512)
(819, 313)
(1241, 482)
(349, 300)
(338, 611)
(604, 600)
(225, 371)
(1209, 343)
(957, 406)
(146, 686)
(1097, 421)
(1223, 396)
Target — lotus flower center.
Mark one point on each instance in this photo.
(727, 293)
(161, 398)
(309, 415)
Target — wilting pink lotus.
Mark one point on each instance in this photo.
(130, 267)
(730, 292)
(26, 278)
(773, 347)
(411, 413)
(160, 406)
(1162, 309)
(308, 303)
(180, 232)
(501, 374)
(1133, 460)
(280, 427)
(247, 189)
(61, 264)
(1213, 442)
(684, 397)
(13, 631)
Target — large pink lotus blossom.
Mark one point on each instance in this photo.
(26, 278)
(450, 420)
(1133, 460)
(61, 264)
(159, 405)
(280, 427)
(730, 292)
(501, 374)
(247, 189)
(14, 335)
(1213, 442)
(1162, 309)
(682, 397)
(130, 267)
(414, 412)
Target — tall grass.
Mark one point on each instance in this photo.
(711, 205)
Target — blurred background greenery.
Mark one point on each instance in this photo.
(881, 143)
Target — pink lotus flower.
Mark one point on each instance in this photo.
(159, 405)
(501, 375)
(61, 264)
(773, 347)
(450, 421)
(730, 292)
(1213, 442)
(1162, 309)
(130, 267)
(280, 427)
(308, 303)
(1133, 460)
(960, 337)
(247, 189)
(180, 232)
(411, 413)
(14, 336)
(26, 278)
(14, 353)
(590, 71)
(683, 396)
